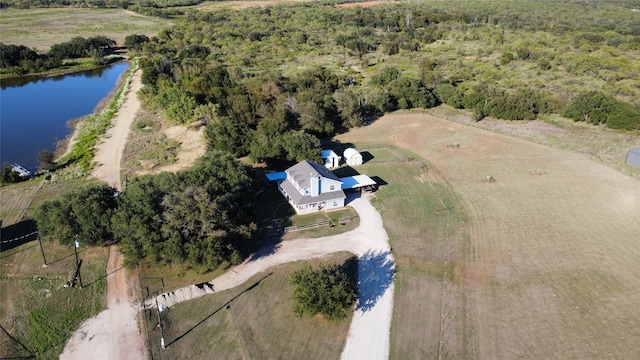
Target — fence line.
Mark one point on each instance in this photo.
(307, 226)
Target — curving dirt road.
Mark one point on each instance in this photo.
(369, 330)
(109, 152)
(114, 333)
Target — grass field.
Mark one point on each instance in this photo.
(41, 28)
(253, 321)
(541, 263)
(35, 307)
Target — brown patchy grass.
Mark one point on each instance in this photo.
(362, 4)
(252, 321)
(40, 28)
(541, 263)
(242, 4)
(148, 147)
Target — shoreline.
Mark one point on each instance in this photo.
(64, 146)
(58, 71)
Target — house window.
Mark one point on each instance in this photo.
(335, 203)
(332, 187)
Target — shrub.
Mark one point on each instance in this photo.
(326, 291)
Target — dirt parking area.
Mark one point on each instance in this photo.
(549, 268)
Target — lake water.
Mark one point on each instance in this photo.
(34, 113)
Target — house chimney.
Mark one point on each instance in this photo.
(315, 185)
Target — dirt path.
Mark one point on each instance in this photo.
(109, 152)
(369, 331)
(114, 333)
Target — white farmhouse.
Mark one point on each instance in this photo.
(352, 157)
(310, 187)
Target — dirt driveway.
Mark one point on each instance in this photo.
(114, 333)
(369, 330)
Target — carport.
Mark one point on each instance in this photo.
(358, 182)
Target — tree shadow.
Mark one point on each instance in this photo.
(264, 251)
(274, 215)
(225, 305)
(18, 234)
(376, 272)
(337, 146)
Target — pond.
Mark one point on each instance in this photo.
(34, 113)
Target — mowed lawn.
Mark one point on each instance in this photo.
(253, 321)
(43, 27)
(540, 262)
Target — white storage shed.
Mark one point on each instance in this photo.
(352, 157)
(330, 158)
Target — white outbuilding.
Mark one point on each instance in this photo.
(352, 157)
(330, 158)
(633, 157)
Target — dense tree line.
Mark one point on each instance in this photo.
(244, 73)
(21, 60)
(125, 4)
(200, 217)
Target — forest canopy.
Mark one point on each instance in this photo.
(265, 79)
(200, 217)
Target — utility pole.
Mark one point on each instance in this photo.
(42, 251)
(160, 325)
(76, 245)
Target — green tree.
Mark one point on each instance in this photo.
(591, 106)
(326, 291)
(450, 95)
(137, 223)
(135, 41)
(349, 104)
(46, 159)
(10, 176)
(83, 214)
(227, 134)
(299, 146)
(178, 104)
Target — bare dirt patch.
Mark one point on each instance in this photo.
(549, 266)
(362, 4)
(191, 147)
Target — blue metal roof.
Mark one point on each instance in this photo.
(275, 176)
(353, 182)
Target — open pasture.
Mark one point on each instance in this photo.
(43, 27)
(539, 262)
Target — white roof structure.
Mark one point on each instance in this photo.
(352, 157)
(357, 181)
(331, 159)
